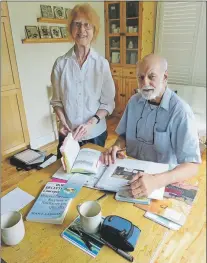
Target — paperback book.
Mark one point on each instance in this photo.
(49, 206)
(76, 160)
(89, 243)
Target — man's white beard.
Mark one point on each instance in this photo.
(152, 94)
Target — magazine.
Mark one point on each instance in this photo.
(89, 243)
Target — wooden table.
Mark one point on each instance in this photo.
(43, 244)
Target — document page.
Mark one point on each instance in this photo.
(87, 161)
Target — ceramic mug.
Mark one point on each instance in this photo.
(12, 228)
(90, 216)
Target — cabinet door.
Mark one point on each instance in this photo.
(113, 29)
(130, 85)
(119, 102)
(12, 130)
(14, 133)
(132, 12)
(9, 74)
(4, 9)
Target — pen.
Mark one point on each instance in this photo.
(101, 197)
(119, 251)
(121, 150)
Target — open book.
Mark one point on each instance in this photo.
(114, 177)
(49, 206)
(75, 160)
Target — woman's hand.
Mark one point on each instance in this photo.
(64, 129)
(84, 129)
(109, 156)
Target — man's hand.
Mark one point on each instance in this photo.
(109, 156)
(64, 129)
(142, 185)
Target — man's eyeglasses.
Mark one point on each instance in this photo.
(78, 25)
(138, 128)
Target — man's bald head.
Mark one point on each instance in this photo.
(153, 59)
(152, 76)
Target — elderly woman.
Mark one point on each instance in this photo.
(83, 88)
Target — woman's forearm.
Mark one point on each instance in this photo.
(60, 114)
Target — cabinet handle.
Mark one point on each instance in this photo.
(123, 95)
(131, 72)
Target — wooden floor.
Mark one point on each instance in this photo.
(10, 176)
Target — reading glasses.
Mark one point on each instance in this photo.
(78, 25)
(139, 125)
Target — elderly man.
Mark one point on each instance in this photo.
(156, 126)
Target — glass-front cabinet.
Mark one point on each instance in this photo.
(123, 32)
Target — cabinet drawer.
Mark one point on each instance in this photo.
(116, 71)
(129, 73)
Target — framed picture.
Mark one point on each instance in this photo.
(64, 32)
(44, 32)
(67, 10)
(59, 12)
(55, 32)
(46, 11)
(32, 32)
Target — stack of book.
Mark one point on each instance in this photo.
(175, 207)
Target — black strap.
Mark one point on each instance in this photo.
(97, 117)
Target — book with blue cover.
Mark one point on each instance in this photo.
(49, 206)
(89, 243)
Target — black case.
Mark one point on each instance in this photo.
(22, 165)
(120, 232)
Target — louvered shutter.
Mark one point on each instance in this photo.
(180, 38)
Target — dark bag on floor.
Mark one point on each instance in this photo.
(21, 165)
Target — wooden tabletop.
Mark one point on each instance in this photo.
(43, 244)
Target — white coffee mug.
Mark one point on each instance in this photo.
(90, 216)
(12, 228)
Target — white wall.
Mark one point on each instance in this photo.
(35, 62)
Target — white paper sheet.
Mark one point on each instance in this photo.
(15, 200)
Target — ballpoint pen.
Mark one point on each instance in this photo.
(84, 239)
(119, 251)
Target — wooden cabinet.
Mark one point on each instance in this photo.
(123, 27)
(126, 43)
(14, 133)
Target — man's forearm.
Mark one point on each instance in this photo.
(120, 142)
(181, 172)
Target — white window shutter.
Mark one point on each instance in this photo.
(178, 38)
